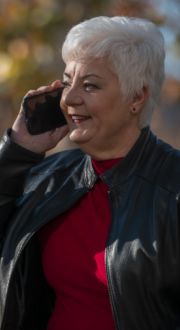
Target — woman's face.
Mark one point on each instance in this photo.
(92, 104)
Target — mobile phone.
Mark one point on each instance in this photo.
(43, 112)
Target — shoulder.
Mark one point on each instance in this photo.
(61, 161)
(55, 168)
(161, 165)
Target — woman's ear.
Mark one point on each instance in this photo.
(139, 100)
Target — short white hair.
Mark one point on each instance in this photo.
(134, 47)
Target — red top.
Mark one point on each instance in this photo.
(73, 258)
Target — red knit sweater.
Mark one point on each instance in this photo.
(73, 253)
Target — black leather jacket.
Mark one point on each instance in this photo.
(143, 246)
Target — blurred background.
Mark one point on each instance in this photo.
(31, 35)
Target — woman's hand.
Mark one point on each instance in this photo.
(41, 142)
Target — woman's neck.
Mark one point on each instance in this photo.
(112, 148)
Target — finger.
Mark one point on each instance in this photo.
(60, 133)
(44, 89)
(56, 84)
(32, 92)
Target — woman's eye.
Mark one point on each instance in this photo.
(66, 84)
(87, 86)
(90, 86)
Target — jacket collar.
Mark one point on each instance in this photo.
(126, 167)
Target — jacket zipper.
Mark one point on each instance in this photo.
(107, 272)
(24, 244)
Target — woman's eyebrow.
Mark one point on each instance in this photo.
(84, 76)
(90, 74)
(67, 74)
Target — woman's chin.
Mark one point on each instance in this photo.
(79, 137)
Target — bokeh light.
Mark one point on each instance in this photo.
(18, 48)
(41, 16)
(43, 54)
(6, 63)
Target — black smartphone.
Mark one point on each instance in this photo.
(43, 112)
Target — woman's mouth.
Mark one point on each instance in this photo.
(79, 119)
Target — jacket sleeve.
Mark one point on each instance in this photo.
(15, 165)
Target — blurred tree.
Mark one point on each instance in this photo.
(32, 33)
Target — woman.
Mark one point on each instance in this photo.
(90, 237)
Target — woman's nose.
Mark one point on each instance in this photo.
(72, 97)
